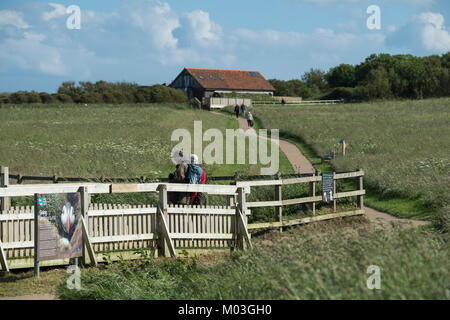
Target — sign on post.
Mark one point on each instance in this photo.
(327, 186)
(58, 227)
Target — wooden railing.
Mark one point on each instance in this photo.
(311, 199)
(303, 102)
(118, 230)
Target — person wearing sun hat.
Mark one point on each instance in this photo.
(197, 175)
(249, 119)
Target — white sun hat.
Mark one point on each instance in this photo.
(194, 159)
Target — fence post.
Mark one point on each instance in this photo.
(163, 204)
(231, 198)
(87, 247)
(278, 197)
(3, 261)
(360, 187)
(240, 211)
(235, 198)
(334, 192)
(4, 182)
(312, 193)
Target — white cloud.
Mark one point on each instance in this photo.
(199, 29)
(53, 65)
(30, 54)
(34, 36)
(425, 33)
(8, 17)
(58, 10)
(417, 3)
(434, 35)
(156, 19)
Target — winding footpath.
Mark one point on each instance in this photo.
(301, 164)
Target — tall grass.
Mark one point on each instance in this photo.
(128, 140)
(403, 146)
(325, 261)
(123, 141)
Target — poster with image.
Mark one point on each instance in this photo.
(59, 233)
(327, 186)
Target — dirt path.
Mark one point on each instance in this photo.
(302, 165)
(295, 157)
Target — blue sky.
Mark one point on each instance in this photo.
(151, 41)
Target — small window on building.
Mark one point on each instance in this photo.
(254, 74)
(212, 77)
(201, 77)
(221, 78)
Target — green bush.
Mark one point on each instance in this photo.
(159, 93)
(47, 98)
(18, 97)
(441, 220)
(109, 98)
(64, 98)
(291, 88)
(120, 97)
(91, 98)
(345, 93)
(341, 76)
(33, 97)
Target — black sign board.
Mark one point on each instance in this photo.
(58, 226)
(327, 186)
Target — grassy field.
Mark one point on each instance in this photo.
(108, 140)
(324, 261)
(403, 146)
(117, 141)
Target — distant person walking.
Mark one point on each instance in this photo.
(243, 109)
(250, 120)
(236, 110)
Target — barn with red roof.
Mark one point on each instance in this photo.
(200, 83)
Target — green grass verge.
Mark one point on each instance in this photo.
(324, 261)
(394, 142)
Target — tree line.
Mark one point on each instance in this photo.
(382, 76)
(99, 92)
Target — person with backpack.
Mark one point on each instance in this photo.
(196, 175)
(179, 176)
(243, 109)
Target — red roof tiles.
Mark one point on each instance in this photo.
(230, 79)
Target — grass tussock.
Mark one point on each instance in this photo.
(324, 261)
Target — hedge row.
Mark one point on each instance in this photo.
(152, 94)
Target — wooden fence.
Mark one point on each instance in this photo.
(310, 200)
(121, 229)
(118, 230)
(303, 102)
(219, 103)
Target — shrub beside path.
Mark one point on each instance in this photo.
(301, 164)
